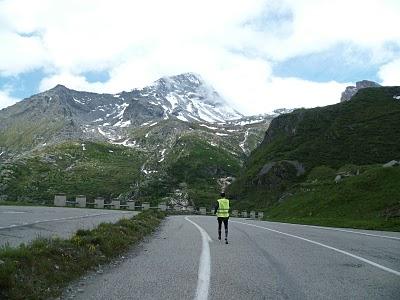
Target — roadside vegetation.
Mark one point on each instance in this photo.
(352, 139)
(42, 269)
(370, 200)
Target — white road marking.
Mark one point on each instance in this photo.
(328, 247)
(12, 212)
(204, 274)
(344, 230)
(55, 220)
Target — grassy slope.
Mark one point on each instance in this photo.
(370, 200)
(363, 131)
(67, 168)
(199, 164)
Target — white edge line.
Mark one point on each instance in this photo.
(343, 230)
(204, 274)
(328, 247)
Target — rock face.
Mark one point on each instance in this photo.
(350, 91)
(274, 174)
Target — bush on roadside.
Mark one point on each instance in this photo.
(42, 268)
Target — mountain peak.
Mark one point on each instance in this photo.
(351, 90)
(60, 87)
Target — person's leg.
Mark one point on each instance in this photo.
(219, 228)
(226, 229)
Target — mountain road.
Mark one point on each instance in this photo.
(263, 260)
(24, 223)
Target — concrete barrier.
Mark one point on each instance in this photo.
(145, 205)
(203, 210)
(116, 204)
(190, 208)
(99, 202)
(252, 214)
(131, 205)
(244, 214)
(60, 200)
(162, 206)
(81, 201)
(234, 213)
(260, 215)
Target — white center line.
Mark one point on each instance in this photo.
(204, 274)
(328, 247)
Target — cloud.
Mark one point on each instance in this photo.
(232, 44)
(290, 93)
(6, 100)
(390, 73)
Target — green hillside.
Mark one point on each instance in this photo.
(361, 131)
(105, 170)
(364, 131)
(95, 169)
(370, 200)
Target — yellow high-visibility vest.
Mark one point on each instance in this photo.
(223, 208)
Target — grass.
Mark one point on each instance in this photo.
(370, 200)
(44, 267)
(102, 170)
(349, 136)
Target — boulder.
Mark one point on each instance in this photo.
(392, 163)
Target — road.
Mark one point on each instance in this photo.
(24, 223)
(263, 260)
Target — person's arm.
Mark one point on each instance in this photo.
(216, 207)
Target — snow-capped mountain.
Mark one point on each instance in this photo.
(61, 114)
(189, 98)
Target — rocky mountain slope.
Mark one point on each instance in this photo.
(309, 146)
(130, 144)
(350, 91)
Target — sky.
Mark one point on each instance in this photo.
(260, 55)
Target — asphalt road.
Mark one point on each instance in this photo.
(24, 223)
(263, 260)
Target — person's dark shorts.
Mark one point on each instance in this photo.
(222, 219)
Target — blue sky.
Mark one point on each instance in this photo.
(259, 54)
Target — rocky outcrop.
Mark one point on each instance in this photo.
(392, 163)
(350, 91)
(274, 174)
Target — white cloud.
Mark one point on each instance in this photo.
(6, 100)
(71, 81)
(390, 73)
(232, 44)
(20, 53)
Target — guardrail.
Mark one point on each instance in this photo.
(60, 200)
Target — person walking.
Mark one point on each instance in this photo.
(222, 211)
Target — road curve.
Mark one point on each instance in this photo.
(24, 223)
(264, 260)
